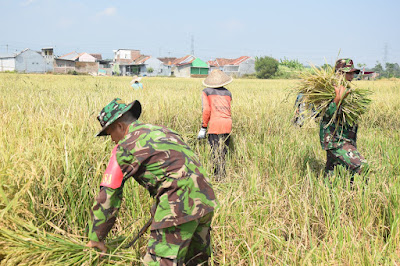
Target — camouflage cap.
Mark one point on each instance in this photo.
(346, 65)
(114, 110)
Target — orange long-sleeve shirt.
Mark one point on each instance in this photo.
(216, 104)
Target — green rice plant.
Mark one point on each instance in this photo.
(318, 89)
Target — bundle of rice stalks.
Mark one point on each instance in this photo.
(318, 90)
(23, 243)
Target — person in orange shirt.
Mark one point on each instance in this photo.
(216, 103)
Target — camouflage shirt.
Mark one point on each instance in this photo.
(332, 137)
(158, 159)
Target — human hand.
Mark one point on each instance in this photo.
(100, 245)
(339, 91)
(202, 133)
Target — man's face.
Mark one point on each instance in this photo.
(349, 76)
(116, 131)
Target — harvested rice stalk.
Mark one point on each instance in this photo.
(318, 90)
(27, 244)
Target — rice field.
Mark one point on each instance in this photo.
(276, 208)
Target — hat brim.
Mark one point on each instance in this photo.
(355, 70)
(135, 108)
(136, 79)
(217, 85)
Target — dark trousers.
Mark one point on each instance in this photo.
(219, 147)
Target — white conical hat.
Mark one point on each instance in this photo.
(135, 78)
(217, 79)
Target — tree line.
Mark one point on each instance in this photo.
(267, 67)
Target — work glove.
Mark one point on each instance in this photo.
(202, 133)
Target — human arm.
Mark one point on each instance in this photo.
(107, 203)
(103, 215)
(206, 106)
(341, 92)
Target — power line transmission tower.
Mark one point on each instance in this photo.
(385, 54)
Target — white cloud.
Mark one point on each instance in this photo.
(109, 11)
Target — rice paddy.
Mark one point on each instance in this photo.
(276, 208)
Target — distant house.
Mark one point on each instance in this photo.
(79, 62)
(152, 66)
(125, 59)
(234, 67)
(26, 61)
(105, 65)
(367, 75)
(189, 66)
(7, 62)
(48, 55)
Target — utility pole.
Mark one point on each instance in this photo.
(7, 48)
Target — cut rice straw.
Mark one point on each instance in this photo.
(318, 90)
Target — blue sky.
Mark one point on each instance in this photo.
(310, 31)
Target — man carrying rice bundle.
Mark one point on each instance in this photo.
(158, 159)
(340, 141)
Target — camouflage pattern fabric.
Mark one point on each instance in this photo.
(158, 159)
(347, 156)
(104, 213)
(114, 110)
(332, 137)
(185, 244)
(346, 65)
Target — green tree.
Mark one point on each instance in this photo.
(392, 70)
(326, 66)
(150, 70)
(266, 67)
(294, 64)
(378, 68)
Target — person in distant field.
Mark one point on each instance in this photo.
(340, 142)
(159, 160)
(135, 83)
(216, 103)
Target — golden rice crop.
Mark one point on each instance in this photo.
(275, 207)
(318, 90)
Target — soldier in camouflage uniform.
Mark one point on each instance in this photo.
(340, 142)
(158, 159)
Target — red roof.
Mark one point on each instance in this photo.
(167, 60)
(225, 61)
(97, 56)
(183, 60)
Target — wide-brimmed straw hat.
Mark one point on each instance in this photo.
(114, 110)
(217, 79)
(135, 78)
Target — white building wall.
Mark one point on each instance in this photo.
(123, 54)
(30, 61)
(182, 71)
(7, 64)
(159, 69)
(87, 58)
(247, 67)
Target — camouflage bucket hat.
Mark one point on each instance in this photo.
(114, 110)
(346, 65)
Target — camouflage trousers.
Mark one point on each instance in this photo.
(347, 156)
(184, 244)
